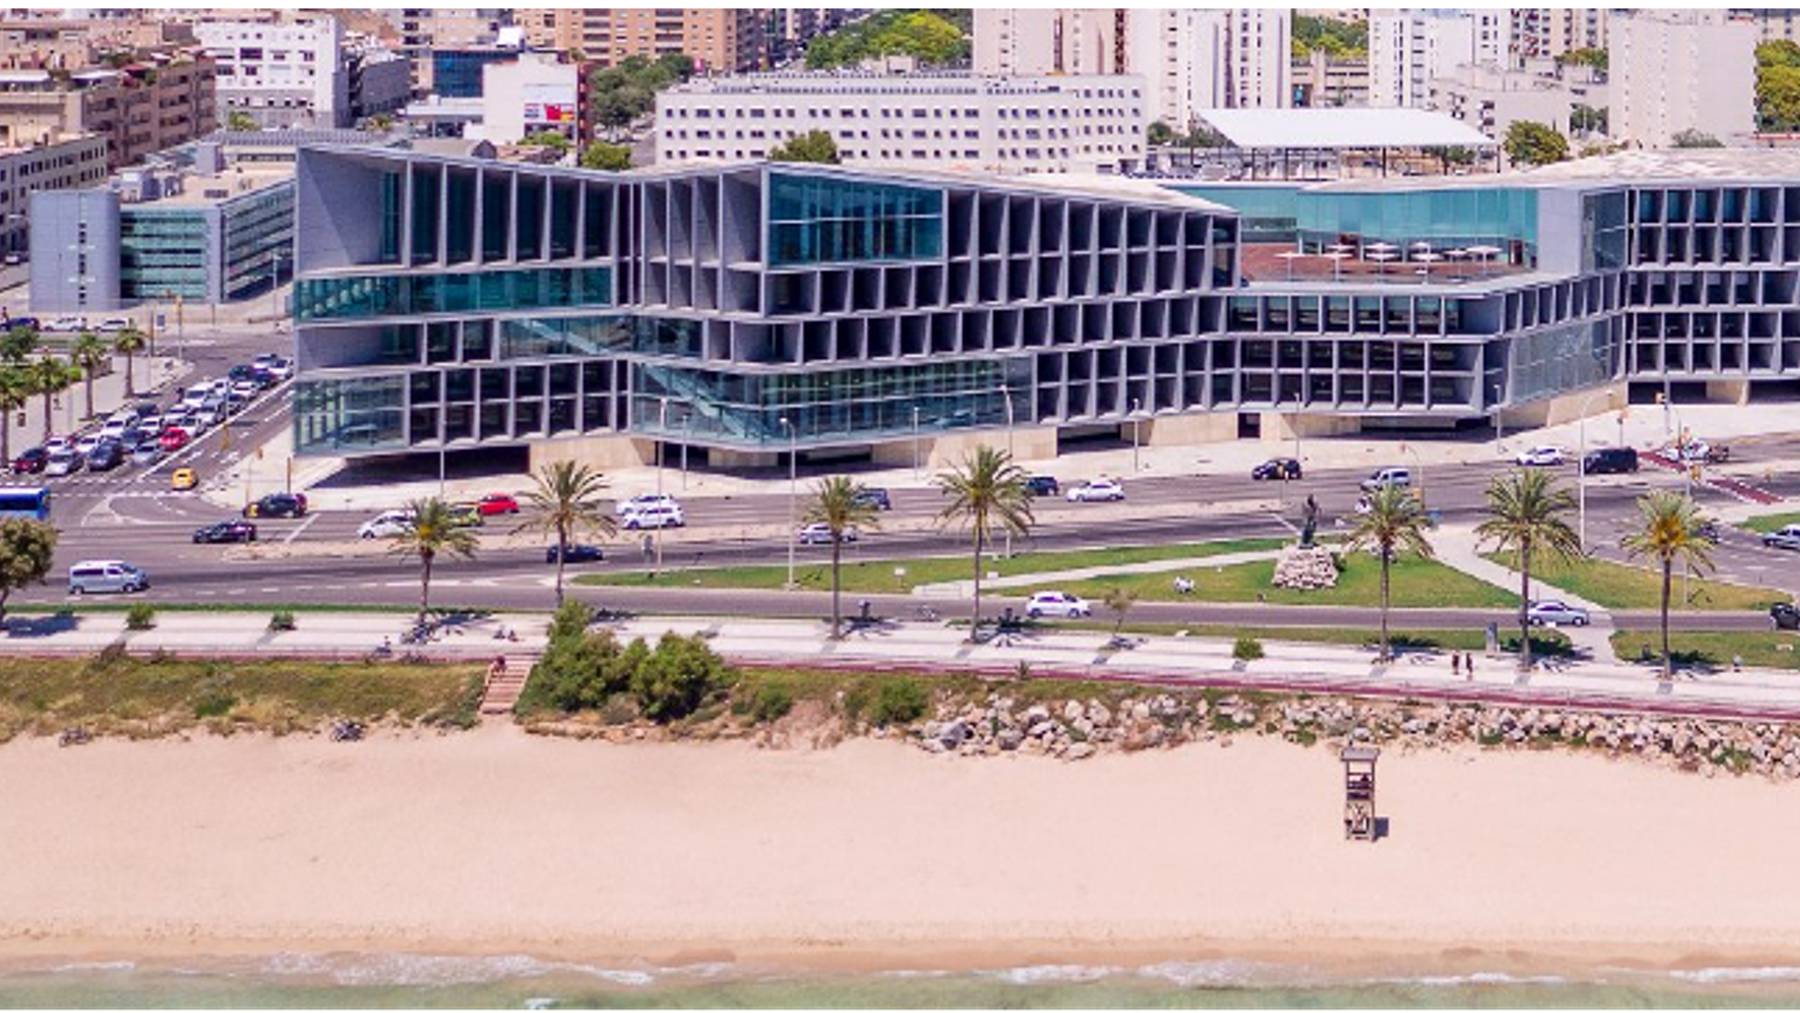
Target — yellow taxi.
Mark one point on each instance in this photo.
(183, 479)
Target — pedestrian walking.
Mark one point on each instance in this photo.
(1455, 663)
(1468, 666)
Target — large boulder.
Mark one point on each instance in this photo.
(1305, 568)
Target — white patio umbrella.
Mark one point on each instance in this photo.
(1485, 253)
(1290, 256)
(1427, 259)
(1381, 257)
(1337, 258)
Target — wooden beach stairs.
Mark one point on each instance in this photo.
(502, 689)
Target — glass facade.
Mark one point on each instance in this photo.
(456, 73)
(163, 253)
(1497, 216)
(816, 219)
(1605, 233)
(378, 295)
(358, 413)
(1560, 359)
(1269, 214)
(259, 238)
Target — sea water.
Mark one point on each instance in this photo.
(521, 982)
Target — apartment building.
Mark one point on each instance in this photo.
(281, 72)
(1491, 99)
(425, 30)
(1084, 124)
(1319, 80)
(1673, 71)
(72, 43)
(1408, 49)
(157, 102)
(379, 79)
(59, 165)
(1548, 32)
(719, 40)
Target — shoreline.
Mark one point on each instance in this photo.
(873, 857)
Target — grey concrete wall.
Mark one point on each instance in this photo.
(70, 273)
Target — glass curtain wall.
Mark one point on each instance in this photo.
(816, 219)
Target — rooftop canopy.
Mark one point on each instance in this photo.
(1342, 128)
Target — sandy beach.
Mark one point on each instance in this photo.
(877, 855)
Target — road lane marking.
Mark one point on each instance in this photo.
(303, 526)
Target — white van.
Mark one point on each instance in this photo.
(106, 576)
(1386, 477)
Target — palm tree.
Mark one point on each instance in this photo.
(49, 377)
(130, 342)
(1395, 523)
(1668, 529)
(987, 493)
(436, 530)
(1526, 511)
(86, 354)
(567, 498)
(838, 503)
(18, 343)
(15, 388)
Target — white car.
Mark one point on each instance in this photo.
(1058, 605)
(387, 525)
(1556, 613)
(1541, 457)
(648, 501)
(113, 325)
(209, 417)
(664, 516)
(150, 423)
(115, 427)
(63, 462)
(246, 389)
(1100, 490)
(1384, 477)
(66, 324)
(820, 534)
(278, 367)
(86, 442)
(56, 443)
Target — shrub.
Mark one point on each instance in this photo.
(140, 617)
(898, 702)
(771, 701)
(672, 681)
(282, 622)
(580, 668)
(214, 703)
(1247, 649)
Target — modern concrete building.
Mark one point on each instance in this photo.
(62, 165)
(1410, 48)
(281, 72)
(380, 80)
(749, 310)
(1673, 71)
(159, 234)
(143, 107)
(1085, 124)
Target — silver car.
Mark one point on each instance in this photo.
(1556, 613)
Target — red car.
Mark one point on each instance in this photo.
(31, 461)
(173, 439)
(496, 503)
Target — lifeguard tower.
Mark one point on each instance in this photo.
(1359, 792)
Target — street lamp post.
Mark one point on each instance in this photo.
(793, 482)
(1581, 467)
(1499, 423)
(662, 427)
(1135, 420)
(915, 441)
(1006, 395)
(687, 437)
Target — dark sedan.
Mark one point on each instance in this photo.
(576, 554)
(1785, 616)
(30, 461)
(278, 504)
(1042, 485)
(225, 531)
(1276, 469)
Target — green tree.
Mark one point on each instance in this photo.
(1527, 516)
(606, 157)
(838, 503)
(1595, 58)
(565, 496)
(987, 495)
(129, 343)
(1668, 529)
(812, 146)
(17, 344)
(437, 529)
(1395, 523)
(1691, 138)
(1529, 142)
(580, 667)
(88, 354)
(26, 548)
(554, 140)
(1118, 600)
(931, 37)
(15, 389)
(677, 677)
(1778, 85)
(240, 121)
(50, 376)
(1339, 39)
(1585, 119)
(1159, 135)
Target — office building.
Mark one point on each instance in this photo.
(60, 165)
(1408, 49)
(1676, 71)
(158, 233)
(746, 310)
(146, 106)
(996, 124)
(280, 72)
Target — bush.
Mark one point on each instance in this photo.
(140, 617)
(1247, 649)
(672, 681)
(898, 702)
(282, 622)
(771, 701)
(584, 669)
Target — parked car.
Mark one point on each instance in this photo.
(820, 534)
(56, 443)
(1042, 485)
(1541, 457)
(106, 455)
(1385, 477)
(1555, 613)
(1276, 468)
(1787, 537)
(386, 525)
(664, 516)
(278, 504)
(466, 515)
(874, 496)
(576, 554)
(30, 461)
(1610, 461)
(1058, 605)
(496, 503)
(1784, 616)
(245, 391)
(63, 462)
(114, 427)
(110, 576)
(1099, 490)
(225, 531)
(183, 479)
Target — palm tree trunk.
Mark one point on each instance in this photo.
(424, 584)
(1668, 567)
(130, 391)
(5, 437)
(1387, 556)
(562, 555)
(48, 394)
(1525, 606)
(975, 618)
(836, 622)
(87, 378)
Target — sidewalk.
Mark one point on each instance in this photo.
(896, 646)
(966, 588)
(1457, 547)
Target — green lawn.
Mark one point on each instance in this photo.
(1759, 649)
(146, 696)
(1544, 642)
(1415, 583)
(1619, 586)
(873, 576)
(1771, 522)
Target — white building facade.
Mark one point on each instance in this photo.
(67, 164)
(533, 94)
(1676, 71)
(1409, 48)
(282, 74)
(1074, 123)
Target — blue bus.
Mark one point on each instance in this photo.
(31, 503)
